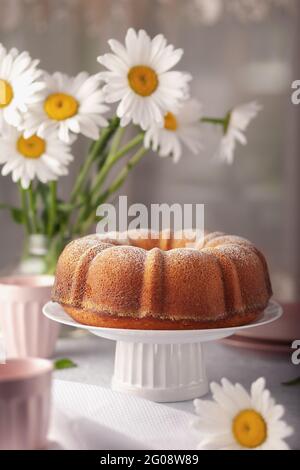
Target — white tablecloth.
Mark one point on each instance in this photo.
(95, 359)
(92, 417)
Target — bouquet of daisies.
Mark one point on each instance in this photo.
(41, 116)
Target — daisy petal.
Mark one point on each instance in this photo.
(139, 78)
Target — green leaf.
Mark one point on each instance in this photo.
(17, 215)
(292, 382)
(64, 364)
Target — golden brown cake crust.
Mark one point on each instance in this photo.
(166, 282)
(150, 323)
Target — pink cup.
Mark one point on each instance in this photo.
(26, 331)
(25, 390)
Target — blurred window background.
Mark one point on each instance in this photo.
(237, 51)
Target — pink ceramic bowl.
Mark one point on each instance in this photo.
(26, 331)
(25, 389)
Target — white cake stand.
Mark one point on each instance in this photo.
(162, 366)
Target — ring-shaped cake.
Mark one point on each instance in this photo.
(147, 280)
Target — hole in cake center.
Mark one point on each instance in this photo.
(163, 241)
(164, 244)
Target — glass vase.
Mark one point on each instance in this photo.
(34, 258)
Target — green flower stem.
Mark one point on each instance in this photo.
(111, 161)
(115, 186)
(52, 257)
(96, 148)
(115, 143)
(121, 178)
(56, 245)
(24, 205)
(216, 121)
(32, 210)
(224, 122)
(129, 146)
(52, 209)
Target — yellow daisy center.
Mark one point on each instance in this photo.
(143, 80)
(32, 148)
(60, 106)
(249, 429)
(6, 93)
(171, 123)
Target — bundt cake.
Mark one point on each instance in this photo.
(140, 282)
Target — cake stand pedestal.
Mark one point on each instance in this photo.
(160, 372)
(160, 365)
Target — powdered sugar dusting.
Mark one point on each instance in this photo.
(132, 275)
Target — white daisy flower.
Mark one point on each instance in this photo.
(238, 121)
(70, 105)
(139, 76)
(178, 129)
(20, 85)
(237, 420)
(35, 157)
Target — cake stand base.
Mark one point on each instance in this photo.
(160, 365)
(160, 372)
